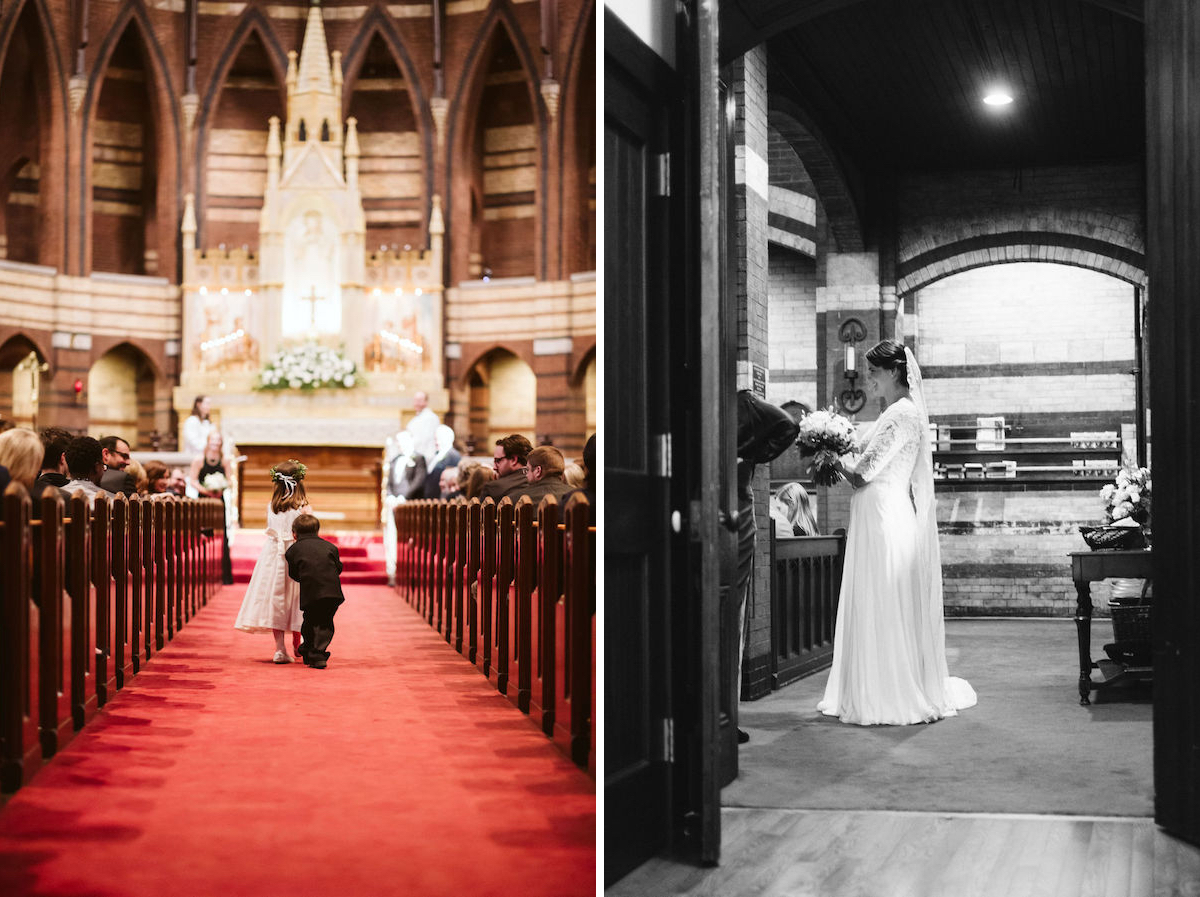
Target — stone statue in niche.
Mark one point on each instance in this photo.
(312, 304)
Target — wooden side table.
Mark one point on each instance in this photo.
(1088, 567)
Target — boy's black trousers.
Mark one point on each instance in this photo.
(317, 629)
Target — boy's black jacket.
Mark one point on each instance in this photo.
(314, 563)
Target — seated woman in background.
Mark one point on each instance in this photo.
(20, 453)
(792, 512)
(158, 478)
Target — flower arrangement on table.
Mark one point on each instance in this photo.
(1126, 512)
(1128, 498)
(309, 366)
(826, 435)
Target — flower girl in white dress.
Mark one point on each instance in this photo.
(272, 601)
(889, 647)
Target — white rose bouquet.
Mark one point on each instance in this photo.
(1128, 499)
(215, 482)
(827, 435)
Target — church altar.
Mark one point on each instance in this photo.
(312, 280)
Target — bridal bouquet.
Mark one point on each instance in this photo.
(215, 482)
(829, 435)
(1129, 497)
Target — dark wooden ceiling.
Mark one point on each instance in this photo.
(897, 85)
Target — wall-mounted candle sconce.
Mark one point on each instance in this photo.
(851, 333)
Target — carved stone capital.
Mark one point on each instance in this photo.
(438, 107)
(190, 104)
(76, 91)
(550, 94)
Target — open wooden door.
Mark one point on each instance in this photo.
(639, 89)
(1173, 265)
(667, 442)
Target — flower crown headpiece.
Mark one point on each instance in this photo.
(289, 480)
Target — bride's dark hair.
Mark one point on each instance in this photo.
(889, 355)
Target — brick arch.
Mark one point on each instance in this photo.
(993, 249)
(101, 346)
(375, 22)
(464, 379)
(465, 109)
(16, 346)
(581, 366)
(252, 21)
(55, 126)
(572, 96)
(153, 388)
(842, 209)
(166, 110)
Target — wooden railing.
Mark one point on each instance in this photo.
(86, 598)
(806, 576)
(513, 589)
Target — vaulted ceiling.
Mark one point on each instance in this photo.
(897, 85)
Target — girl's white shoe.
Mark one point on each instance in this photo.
(281, 657)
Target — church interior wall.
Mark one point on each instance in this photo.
(132, 150)
(999, 339)
(1028, 361)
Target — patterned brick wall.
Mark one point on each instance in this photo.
(792, 327)
(1052, 355)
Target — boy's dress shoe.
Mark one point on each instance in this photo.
(317, 664)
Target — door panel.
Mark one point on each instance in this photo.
(636, 518)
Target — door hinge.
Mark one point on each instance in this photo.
(668, 742)
(662, 452)
(660, 174)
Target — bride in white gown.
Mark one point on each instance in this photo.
(889, 647)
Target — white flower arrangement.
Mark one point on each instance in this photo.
(1128, 499)
(215, 482)
(309, 366)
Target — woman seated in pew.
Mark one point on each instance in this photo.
(21, 454)
(158, 481)
(792, 513)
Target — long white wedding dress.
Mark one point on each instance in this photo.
(889, 652)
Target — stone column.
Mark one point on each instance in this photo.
(750, 211)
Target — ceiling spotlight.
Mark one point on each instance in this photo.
(998, 98)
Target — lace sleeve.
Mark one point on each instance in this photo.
(883, 444)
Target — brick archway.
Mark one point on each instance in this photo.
(1019, 246)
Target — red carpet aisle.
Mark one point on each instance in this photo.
(215, 773)
(361, 554)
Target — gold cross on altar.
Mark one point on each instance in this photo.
(313, 298)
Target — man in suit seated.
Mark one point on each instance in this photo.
(115, 454)
(508, 459)
(544, 475)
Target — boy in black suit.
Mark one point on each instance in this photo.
(314, 563)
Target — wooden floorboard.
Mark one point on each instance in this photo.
(829, 853)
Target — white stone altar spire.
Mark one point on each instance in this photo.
(314, 106)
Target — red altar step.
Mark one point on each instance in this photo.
(361, 553)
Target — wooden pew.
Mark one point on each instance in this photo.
(137, 593)
(485, 580)
(469, 548)
(506, 565)
(20, 635)
(575, 634)
(122, 661)
(543, 654)
(82, 619)
(100, 578)
(520, 596)
(55, 720)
